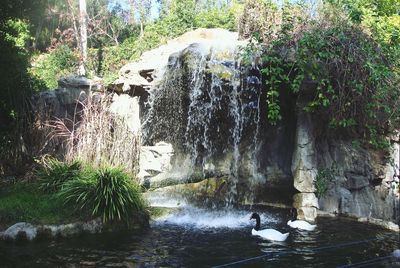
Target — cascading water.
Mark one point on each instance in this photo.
(200, 218)
(208, 106)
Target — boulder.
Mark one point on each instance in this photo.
(305, 200)
(155, 160)
(304, 180)
(126, 108)
(307, 213)
(76, 88)
(21, 230)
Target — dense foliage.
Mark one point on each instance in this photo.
(60, 62)
(346, 73)
(105, 58)
(17, 84)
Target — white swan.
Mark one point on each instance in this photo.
(302, 225)
(269, 234)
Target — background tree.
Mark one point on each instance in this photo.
(17, 84)
(83, 22)
(142, 8)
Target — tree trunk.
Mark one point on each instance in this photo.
(37, 34)
(83, 22)
(131, 19)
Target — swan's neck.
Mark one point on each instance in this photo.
(257, 224)
(293, 214)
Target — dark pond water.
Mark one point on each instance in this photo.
(198, 238)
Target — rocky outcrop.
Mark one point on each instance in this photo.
(147, 72)
(304, 169)
(108, 124)
(363, 184)
(352, 180)
(195, 96)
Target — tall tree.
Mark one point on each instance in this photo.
(83, 22)
(143, 9)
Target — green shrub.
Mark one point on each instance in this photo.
(324, 177)
(54, 173)
(108, 193)
(217, 18)
(60, 62)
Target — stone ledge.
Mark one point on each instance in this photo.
(26, 231)
(385, 224)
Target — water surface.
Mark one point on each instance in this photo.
(200, 238)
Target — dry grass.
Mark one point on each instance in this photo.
(97, 136)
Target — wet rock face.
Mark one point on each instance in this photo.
(211, 110)
(361, 187)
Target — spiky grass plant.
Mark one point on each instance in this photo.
(54, 173)
(109, 193)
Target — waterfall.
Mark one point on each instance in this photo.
(207, 105)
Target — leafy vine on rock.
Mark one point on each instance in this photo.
(353, 77)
